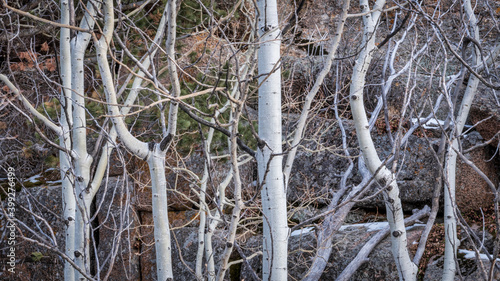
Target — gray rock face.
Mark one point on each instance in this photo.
(416, 170)
(316, 174)
(34, 262)
(313, 176)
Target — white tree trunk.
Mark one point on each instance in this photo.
(156, 162)
(82, 161)
(155, 157)
(69, 202)
(203, 223)
(212, 225)
(205, 231)
(208, 225)
(137, 147)
(269, 158)
(406, 268)
(131, 98)
(69, 205)
(450, 222)
(172, 66)
(79, 44)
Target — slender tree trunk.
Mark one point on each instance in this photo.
(238, 204)
(269, 158)
(450, 223)
(406, 268)
(234, 174)
(203, 224)
(69, 202)
(69, 207)
(208, 225)
(301, 124)
(156, 164)
(212, 225)
(83, 160)
(131, 98)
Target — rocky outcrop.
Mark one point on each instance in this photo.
(316, 173)
(34, 262)
(132, 239)
(124, 225)
(135, 259)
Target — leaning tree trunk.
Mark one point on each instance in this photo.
(450, 222)
(269, 158)
(406, 268)
(155, 154)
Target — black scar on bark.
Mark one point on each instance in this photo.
(166, 141)
(397, 233)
